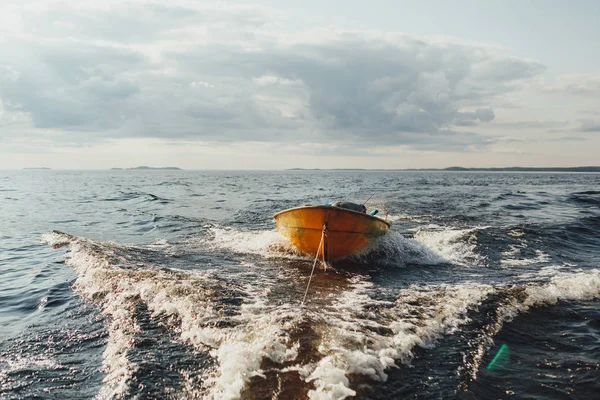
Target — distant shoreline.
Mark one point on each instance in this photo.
(463, 169)
(144, 168)
(584, 169)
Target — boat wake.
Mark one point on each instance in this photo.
(240, 330)
(235, 335)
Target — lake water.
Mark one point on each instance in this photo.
(174, 284)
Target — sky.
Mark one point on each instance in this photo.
(287, 84)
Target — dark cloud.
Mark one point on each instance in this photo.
(220, 74)
(70, 86)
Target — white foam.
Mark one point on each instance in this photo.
(578, 286)
(432, 245)
(454, 245)
(566, 287)
(407, 217)
(98, 281)
(516, 233)
(393, 247)
(397, 250)
(351, 343)
(185, 298)
(512, 258)
(19, 363)
(161, 243)
(543, 274)
(512, 251)
(264, 243)
(55, 239)
(358, 332)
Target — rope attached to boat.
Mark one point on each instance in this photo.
(315, 263)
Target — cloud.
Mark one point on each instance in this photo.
(535, 124)
(589, 126)
(569, 139)
(69, 86)
(576, 84)
(471, 118)
(234, 73)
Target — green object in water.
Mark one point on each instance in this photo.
(501, 359)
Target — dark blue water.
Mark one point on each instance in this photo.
(174, 284)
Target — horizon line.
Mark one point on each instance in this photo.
(448, 169)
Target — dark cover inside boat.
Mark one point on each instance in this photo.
(350, 206)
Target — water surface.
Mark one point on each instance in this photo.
(174, 284)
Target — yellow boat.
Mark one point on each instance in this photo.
(329, 231)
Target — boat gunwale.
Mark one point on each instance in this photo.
(323, 206)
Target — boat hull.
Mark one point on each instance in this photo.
(346, 231)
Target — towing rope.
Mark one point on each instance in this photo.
(315, 263)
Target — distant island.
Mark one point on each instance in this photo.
(144, 167)
(461, 169)
(37, 168)
(527, 169)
